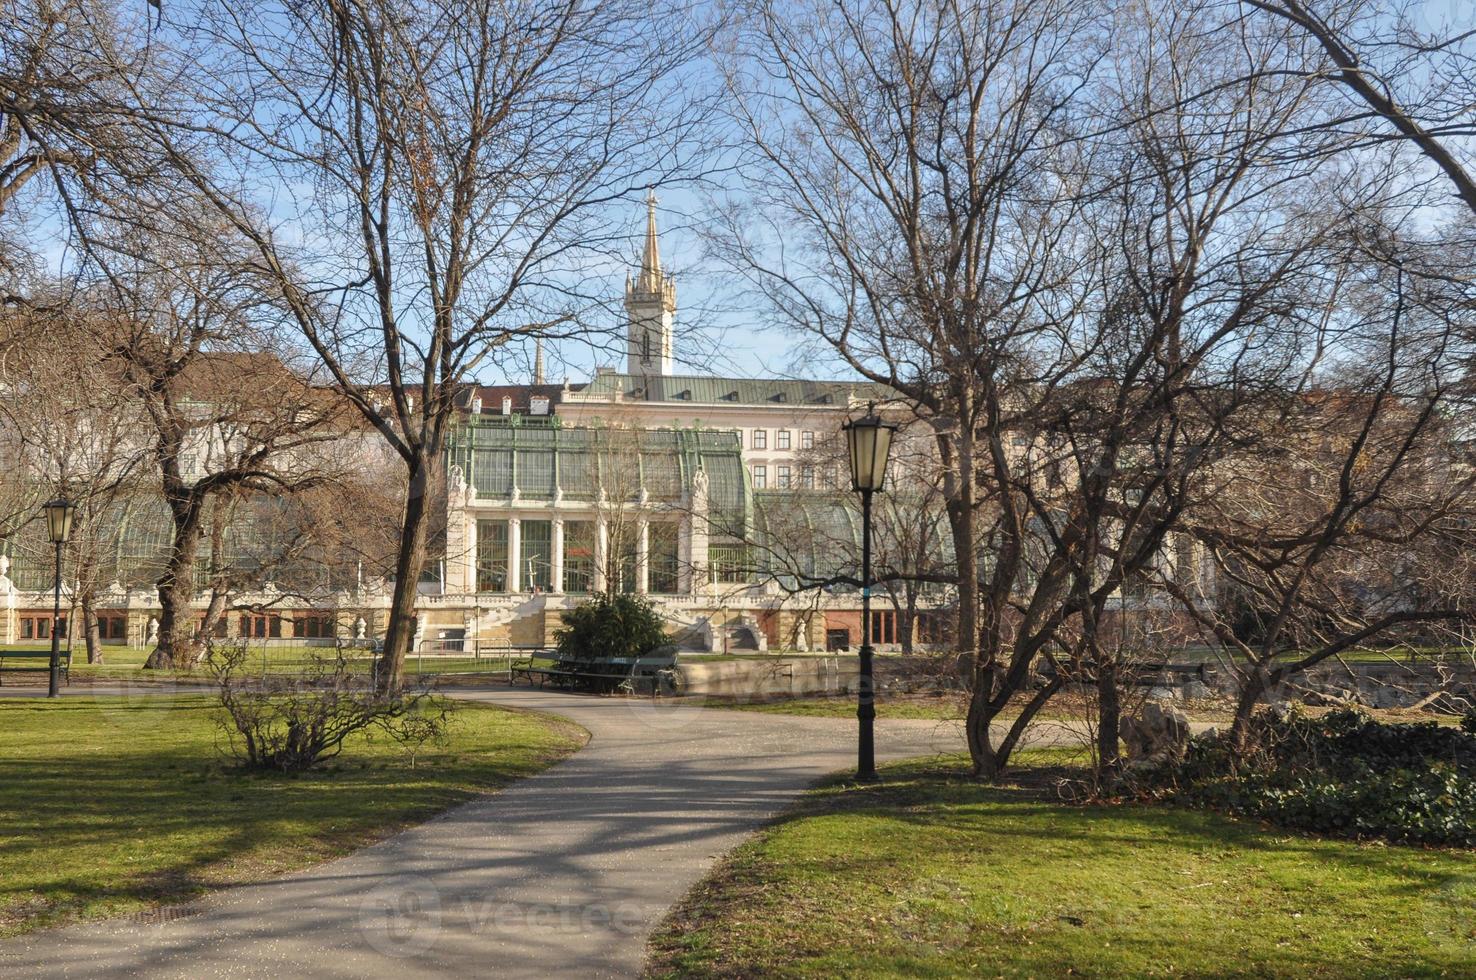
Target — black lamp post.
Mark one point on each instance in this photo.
(869, 440)
(59, 527)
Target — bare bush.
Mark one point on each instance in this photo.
(290, 724)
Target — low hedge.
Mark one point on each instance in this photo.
(1342, 774)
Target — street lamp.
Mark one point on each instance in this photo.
(59, 527)
(869, 440)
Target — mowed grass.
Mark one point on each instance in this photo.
(125, 664)
(112, 805)
(930, 875)
(945, 707)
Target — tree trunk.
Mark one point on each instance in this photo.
(991, 762)
(213, 613)
(89, 627)
(1251, 691)
(177, 648)
(409, 563)
(1109, 717)
(986, 762)
(970, 663)
(907, 620)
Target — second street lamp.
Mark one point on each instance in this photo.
(869, 440)
(58, 527)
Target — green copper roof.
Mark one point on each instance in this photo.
(701, 390)
(576, 463)
(807, 537)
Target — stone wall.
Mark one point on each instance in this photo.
(765, 678)
(1373, 685)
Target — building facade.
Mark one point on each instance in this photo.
(684, 488)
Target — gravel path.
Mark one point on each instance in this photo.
(561, 874)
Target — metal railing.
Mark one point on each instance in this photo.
(429, 657)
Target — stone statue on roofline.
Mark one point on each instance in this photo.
(699, 490)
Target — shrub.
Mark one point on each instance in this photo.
(289, 724)
(610, 626)
(1468, 721)
(1342, 774)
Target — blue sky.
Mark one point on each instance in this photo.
(717, 330)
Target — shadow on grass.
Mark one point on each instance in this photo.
(934, 874)
(108, 806)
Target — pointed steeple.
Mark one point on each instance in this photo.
(650, 280)
(650, 300)
(538, 361)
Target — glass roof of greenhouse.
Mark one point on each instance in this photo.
(546, 460)
(807, 535)
(137, 534)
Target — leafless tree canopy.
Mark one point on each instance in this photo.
(426, 184)
(1173, 296)
(1116, 260)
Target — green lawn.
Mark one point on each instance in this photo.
(110, 805)
(125, 662)
(945, 708)
(930, 875)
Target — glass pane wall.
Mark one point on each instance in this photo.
(491, 556)
(537, 555)
(663, 572)
(579, 550)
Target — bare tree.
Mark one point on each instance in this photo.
(1093, 269)
(190, 340)
(1330, 543)
(456, 163)
(71, 431)
(894, 140)
(76, 81)
(1414, 76)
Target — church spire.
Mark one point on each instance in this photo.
(650, 300)
(651, 279)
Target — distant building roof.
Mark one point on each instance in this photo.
(701, 390)
(544, 460)
(521, 398)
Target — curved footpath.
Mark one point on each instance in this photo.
(562, 874)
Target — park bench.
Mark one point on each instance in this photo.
(34, 661)
(629, 675)
(524, 668)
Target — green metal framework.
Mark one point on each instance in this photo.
(810, 536)
(139, 532)
(541, 460)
